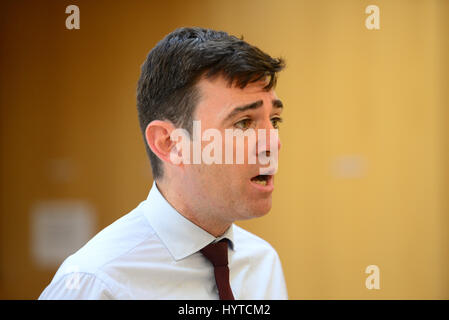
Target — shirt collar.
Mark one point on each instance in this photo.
(181, 236)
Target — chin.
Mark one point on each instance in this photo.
(259, 209)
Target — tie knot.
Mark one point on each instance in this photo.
(217, 253)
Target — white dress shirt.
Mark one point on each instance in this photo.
(153, 253)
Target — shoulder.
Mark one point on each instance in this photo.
(113, 242)
(113, 246)
(253, 244)
(263, 265)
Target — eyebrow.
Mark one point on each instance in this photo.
(277, 104)
(251, 106)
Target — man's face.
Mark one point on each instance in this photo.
(229, 191)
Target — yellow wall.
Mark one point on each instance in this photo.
(363, 175)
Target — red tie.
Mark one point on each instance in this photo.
(217, 254)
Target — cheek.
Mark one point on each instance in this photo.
(227, 179)
(236, 176)
(214, 177)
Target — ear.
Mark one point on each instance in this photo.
(157, 135)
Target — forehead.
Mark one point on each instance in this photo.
(218, 98)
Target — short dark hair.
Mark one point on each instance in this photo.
(167, 84)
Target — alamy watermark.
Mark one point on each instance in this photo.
(219, 150)
(372, 22)
(73, 20)
(373, 280)
(72, 282)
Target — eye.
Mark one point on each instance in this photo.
(276, 121)
(243, 124)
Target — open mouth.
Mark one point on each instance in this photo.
(262, 180)
(263, 183)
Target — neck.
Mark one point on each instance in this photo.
(202, 216)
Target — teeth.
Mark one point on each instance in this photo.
(261, 182)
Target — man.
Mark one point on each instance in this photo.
(167, 248)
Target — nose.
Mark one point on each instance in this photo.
(268, 139)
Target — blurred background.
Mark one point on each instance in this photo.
(364, 166)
